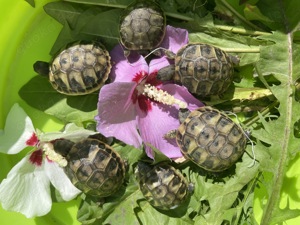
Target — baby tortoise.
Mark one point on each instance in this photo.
(92, 166)
(209, 138)
(142, 27)
(80, 69)
(203, 69)
(162, 185)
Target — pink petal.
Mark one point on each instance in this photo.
(123, 70)
(157, 64)
(159, 121)
(116, 113)
(175, 38)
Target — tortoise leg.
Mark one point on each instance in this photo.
(171, 134)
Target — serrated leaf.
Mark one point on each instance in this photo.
(284, 214)
(221, 205)
(279, 60)
(89, 210)
(39, 94)
(247, 49)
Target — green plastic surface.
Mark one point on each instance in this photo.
(27, 35)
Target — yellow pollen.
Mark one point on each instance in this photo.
(162, 96)
(52, 155)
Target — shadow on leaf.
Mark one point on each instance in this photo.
(39, 94)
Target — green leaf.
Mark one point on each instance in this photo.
(64, 12)
(252, 12)
(31, 2)
(84, 22)
(39, 94)
(279, 60)
(111, 3)
(89, 210)
(231, 184)
(284, 214)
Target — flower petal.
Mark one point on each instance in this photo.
(175, 38)
(18, 131)
(123, 70)
(158, 122)
(26, 190)
(60, 180)
(157, 64)
(71, 132)
(116, 113)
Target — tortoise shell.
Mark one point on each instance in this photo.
(80, 69)
(142, 26)
(211, 139)
(204, 69)
(162, 185)
(94, 167)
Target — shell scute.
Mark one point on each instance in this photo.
(162, 185)
(80, 69)
(95, 168)
(204, 69)
(211, 139)
(142, 26)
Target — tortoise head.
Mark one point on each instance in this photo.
(41, 68)
(62, 146)
(142, 169)
(183, 114)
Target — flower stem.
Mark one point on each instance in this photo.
(243, 31)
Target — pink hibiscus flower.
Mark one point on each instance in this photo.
(136, 108)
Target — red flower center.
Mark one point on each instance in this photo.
(142, 78)
(33, 140)
(36, 158)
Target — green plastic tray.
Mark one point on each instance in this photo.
(27, 35)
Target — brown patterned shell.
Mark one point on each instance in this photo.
(142, 26)
(204, 69)
(211, 139)
(95, 168)
(162, 185)
(80, 69)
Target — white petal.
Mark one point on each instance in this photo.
(60, 181)
(18, 129)
(71, 132)
(26, 190)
